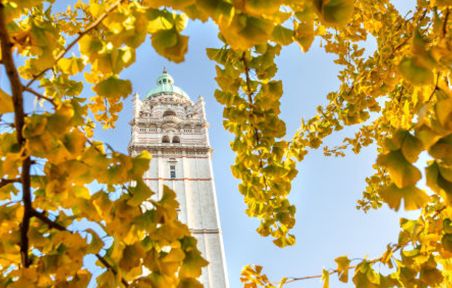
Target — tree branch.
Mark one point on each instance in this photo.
(54, 225)
(19, 119)
(4, 182)
(446, 19)
(334, 271)
(40, 96)
(72, 44)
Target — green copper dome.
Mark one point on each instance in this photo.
(165, 85)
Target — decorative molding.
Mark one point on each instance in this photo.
(177, 179)
(169, 149)
(205, 231)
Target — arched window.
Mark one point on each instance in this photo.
(165, 139)
(176, 139)
(169, 113)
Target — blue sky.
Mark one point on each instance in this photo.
(325, 190)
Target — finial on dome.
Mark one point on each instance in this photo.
(164, 70)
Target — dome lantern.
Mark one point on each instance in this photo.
(165, 85)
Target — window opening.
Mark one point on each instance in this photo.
(172, 171)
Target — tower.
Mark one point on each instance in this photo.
(174, 129)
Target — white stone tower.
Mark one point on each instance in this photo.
(174, 129)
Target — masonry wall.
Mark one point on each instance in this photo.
(191, 158)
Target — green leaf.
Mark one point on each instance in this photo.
(113, 87)
(282, 35)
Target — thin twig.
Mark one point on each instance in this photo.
(19, 120)
(113, 270)
(52, 224)
(334, 271)
(72, 44)
(446, 19)
(40, 96)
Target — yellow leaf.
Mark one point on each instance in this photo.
(343, 265)
(6, 102)
(411, 147)
(58, 123)
(413, 197)
(335, 12)
(246, 31)
(170, 44)
(304, 34)
(414, 71)
(444, 113)
(402, 172)
(71, 65)
(325, 278)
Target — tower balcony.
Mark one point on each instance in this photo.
(171, 118)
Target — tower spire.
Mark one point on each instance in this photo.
(164, 70)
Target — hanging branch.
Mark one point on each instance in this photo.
(54, 225)
(19, 120)
(91, 27)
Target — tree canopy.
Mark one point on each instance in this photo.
(399, 98)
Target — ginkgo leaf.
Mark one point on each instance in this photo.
(257, 7)
(335, 12)
(437, 182)
(282, 35)
(304, 34)
(444, 112)
(343, 265)
(170, 44)
(113, 87)
(413, 197)
(414, 71)
(140, 192)
(71, 65)
(58, 122)
(192, 264)
(411, 147)
(402, 172)
(6, 102)
(246, 31)
(442, 149)
(446, 241)
(325, 278)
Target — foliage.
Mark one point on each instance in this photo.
(399, 96)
